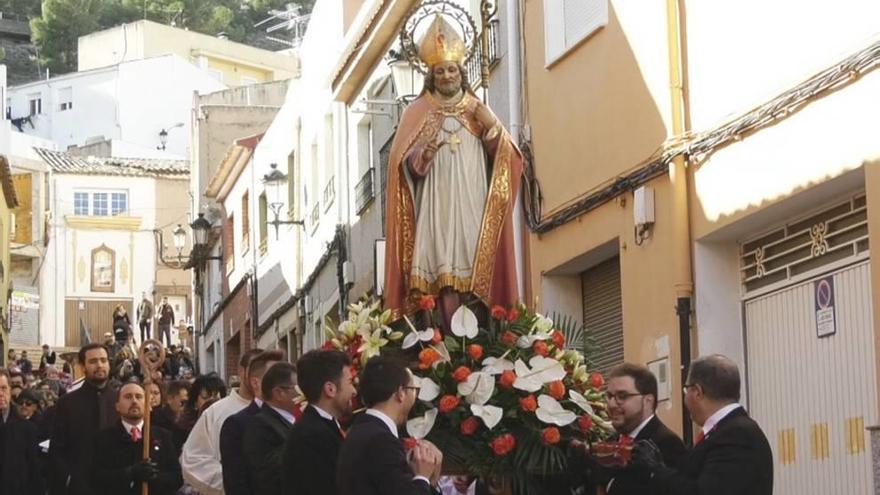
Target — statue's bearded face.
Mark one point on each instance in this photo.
(447, 78)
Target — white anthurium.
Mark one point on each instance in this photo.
(581, 401)
(539, 371)
(413, 338)
(542, 324)
(496, 366)
(464, 323)
(491, 415)
(550, 411)
(526, 341)
(429, 390)
(443, 352)
(419, 428)
(478, 388)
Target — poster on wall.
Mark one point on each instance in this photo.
(24, 313)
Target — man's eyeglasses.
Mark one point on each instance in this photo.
(619, 396)
(413, 387)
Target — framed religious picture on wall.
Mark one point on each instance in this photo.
(103, 269)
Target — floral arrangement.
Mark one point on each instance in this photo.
(499, 401)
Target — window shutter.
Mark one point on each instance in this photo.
(603, 312)
(568, 22)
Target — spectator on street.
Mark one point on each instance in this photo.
(24, 363)
(47, 358)
(121, 325)
(205, 388)
(19, 468)
(165, 315)
(168, 414)
(145, 316)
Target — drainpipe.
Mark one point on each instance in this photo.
(514, 77)
(678, 180)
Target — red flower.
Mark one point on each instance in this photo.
(540, 348)
(513, 314)
(437, 336)
(328, 346)
(556, 389)
(498, 312)
(558, 339)
(409, 443)
(428, 357)
(448, 403)
(585, 422)
(596, 380)
(509, 338)
(528, 404)
(427, 302)
(461, 373)
(503, 444)
(475, 351)
(469, 426)
(507, 379)
(550, 435)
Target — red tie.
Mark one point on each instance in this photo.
(700, 438)
(135, 434)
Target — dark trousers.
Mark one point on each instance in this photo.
(165, 329)
(145, 329)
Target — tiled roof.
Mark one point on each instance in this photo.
(65, 163)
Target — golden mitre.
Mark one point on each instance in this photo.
(442, 43)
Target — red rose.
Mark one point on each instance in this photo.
(507, 379)
(503, 444)
(475, 351)
(461, 373)
(428, 357)
(469, 426)
(550, 435)
(540, 348)
(328, 346)
(585, 422)
(528, 404)
(448, 403)
(596, 380)
(513, 314)
(509, 338)
(498, 312)
(426, 302)
(409, 443)
(437, 336)
(558, 339)
(556, 389)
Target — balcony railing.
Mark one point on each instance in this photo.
(329, 193)
(364, 192)
(315, 217)
(474, 66)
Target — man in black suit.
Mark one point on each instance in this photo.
(119, 467)
(79, 416)
(19, 466)
(235, 478)
(309, 464)
(265, 434)
(372, 460)
(731, 455)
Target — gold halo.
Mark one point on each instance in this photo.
(454, 14)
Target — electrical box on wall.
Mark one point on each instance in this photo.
(643, 206)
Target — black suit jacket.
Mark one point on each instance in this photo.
(20, 472)
(310, 455)
(263, 443)
(734, 459)
(626, 482)
(79, 416)
(235, 479)
(372, 462)
(115, 452)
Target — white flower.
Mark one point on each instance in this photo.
(526, 341)
(496, 366)
(443, 352)
(550, 411)
(464, 323)
(490, 415)
(429, 390)
(372, 344)
(419, 428)
(542, 323)
(581, 401)
(540, 370)
(478, 388)
(414, 337)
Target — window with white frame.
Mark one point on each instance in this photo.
(80, 203)
(568, 22)
(118, 203)
(65, 98)
(100, 203)
(35, 104)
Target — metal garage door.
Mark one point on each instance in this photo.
(603, 313)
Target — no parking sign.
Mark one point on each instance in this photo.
(824, 299)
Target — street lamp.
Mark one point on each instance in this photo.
(163, 140)
(408, 81)
(198, 255)
(275, 182)
(179, 238)
(200, 228)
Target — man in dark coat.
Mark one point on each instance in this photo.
(265, 434)
(19, 467)
(372, 460)
(731, 455)
(235, 474)
(119, 467)
(309, 464)
(79, 415)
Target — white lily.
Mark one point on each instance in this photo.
(372, 345)
(491, 415)
(550, 411)
(496, 366)
(419, 428)
(464, 323)
(539, 371)
(429, 390)
(581, 401)
(478, 388)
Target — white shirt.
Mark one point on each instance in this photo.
(128, 427)
(720, 414)
(393, 427)
(638, 429)
(200, 458)
(284, 414)
(324, 414)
